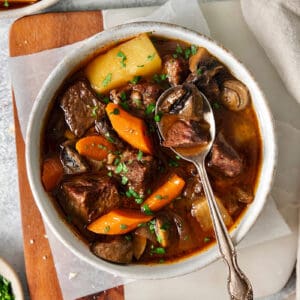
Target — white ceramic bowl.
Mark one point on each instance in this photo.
(8, 273)
(33, 142)
(26, 10)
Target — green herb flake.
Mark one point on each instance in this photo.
(151, 57)
(107, 229)
(159, 250)
(157, 117)
(121, 167)
(140, 155)
(116, 161)
(94, 111)
(107, 80)
(152, 226)
(128, 237)
(139, 200)
(194, 49)
(206, 239)
(199, 71)
(137, 102)
(105, 100)
(124, 105)
(165, 226)
(123, 226)
(150, 108)
(216, 105)
(178, 49)
(175, 55)
(159, 197)
(159, 239)
(141, 66)
(110, 174)
(146, 210)
(5, 289)
(123, 58)
(124, 180)
(116, 111)
(187, 53)
(158, 78)
(177, 157)
(173, 163)
(141, 225)
(6, 4)
(136, 79)
(123, 96)
(161, 261)
(186, 238)
(109, 138)
(149, 191)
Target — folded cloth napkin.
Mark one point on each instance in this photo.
(70, 269)
(276, 25)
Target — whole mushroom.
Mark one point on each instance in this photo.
(235, 95)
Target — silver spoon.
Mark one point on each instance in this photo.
(239, 287)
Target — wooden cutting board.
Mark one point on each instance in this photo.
(30, 35)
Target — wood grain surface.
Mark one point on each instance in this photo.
(30, 35)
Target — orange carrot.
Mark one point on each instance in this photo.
(52, 171)
(164, 194)
(94, 146)
(131, 129)
(118, 221)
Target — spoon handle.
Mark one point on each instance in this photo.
(238, 285)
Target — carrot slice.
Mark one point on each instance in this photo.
(94, 146)
(118, 221)
(52, 172)
(131, 129)
(164, 194)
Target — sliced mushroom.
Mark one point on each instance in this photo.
(139, 246)
(73, 163)
(201, 58)
(235, 95)
(165, 230)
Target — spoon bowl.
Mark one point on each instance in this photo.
(239, 287)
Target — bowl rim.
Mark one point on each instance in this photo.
(26, 10)
(61, 71)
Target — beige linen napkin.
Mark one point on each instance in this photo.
(276, 25)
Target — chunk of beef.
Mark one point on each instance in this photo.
(86, 197)
(116, 249)
(225, 158)
(81, 107)
(137, 96)
(104, 128)
(176, 69)
(184, 133)
(72, 161)
(138, 171)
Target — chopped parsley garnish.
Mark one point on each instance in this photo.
(173, 163)
(123, 58)
(158, 250)
(158, 78)
(151, 57)
(6, 4)
(157, 117)
(109, 138)
(124, 105)
(178, 49)
(150, 108)
(149, 191)
(146, 210)
(123, 96)
(165, 226)
(199, 71)
(159, 197)
(94, 111)
(187, 53)
(107, 80)
(116, 111)
(128, 237)
(177, 157)
(123, 226)
(106, 228)
(121, 167)
(5, 289)
(110, 174)
(132, 193)
(102, 147)
(161, 261)
(186, 238)
(136, 79)
(159, 238)
(116, 161)
(141, 66)
(124, 180)
(141, 225)
(105, 100)
(152, 226)
(137, 102)
(206, 239)
(216, 105)
(194, 49)
(140, 155)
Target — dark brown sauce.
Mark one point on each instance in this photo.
(241, 131)
(8, 5)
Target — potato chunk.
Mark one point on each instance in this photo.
(136, 57)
